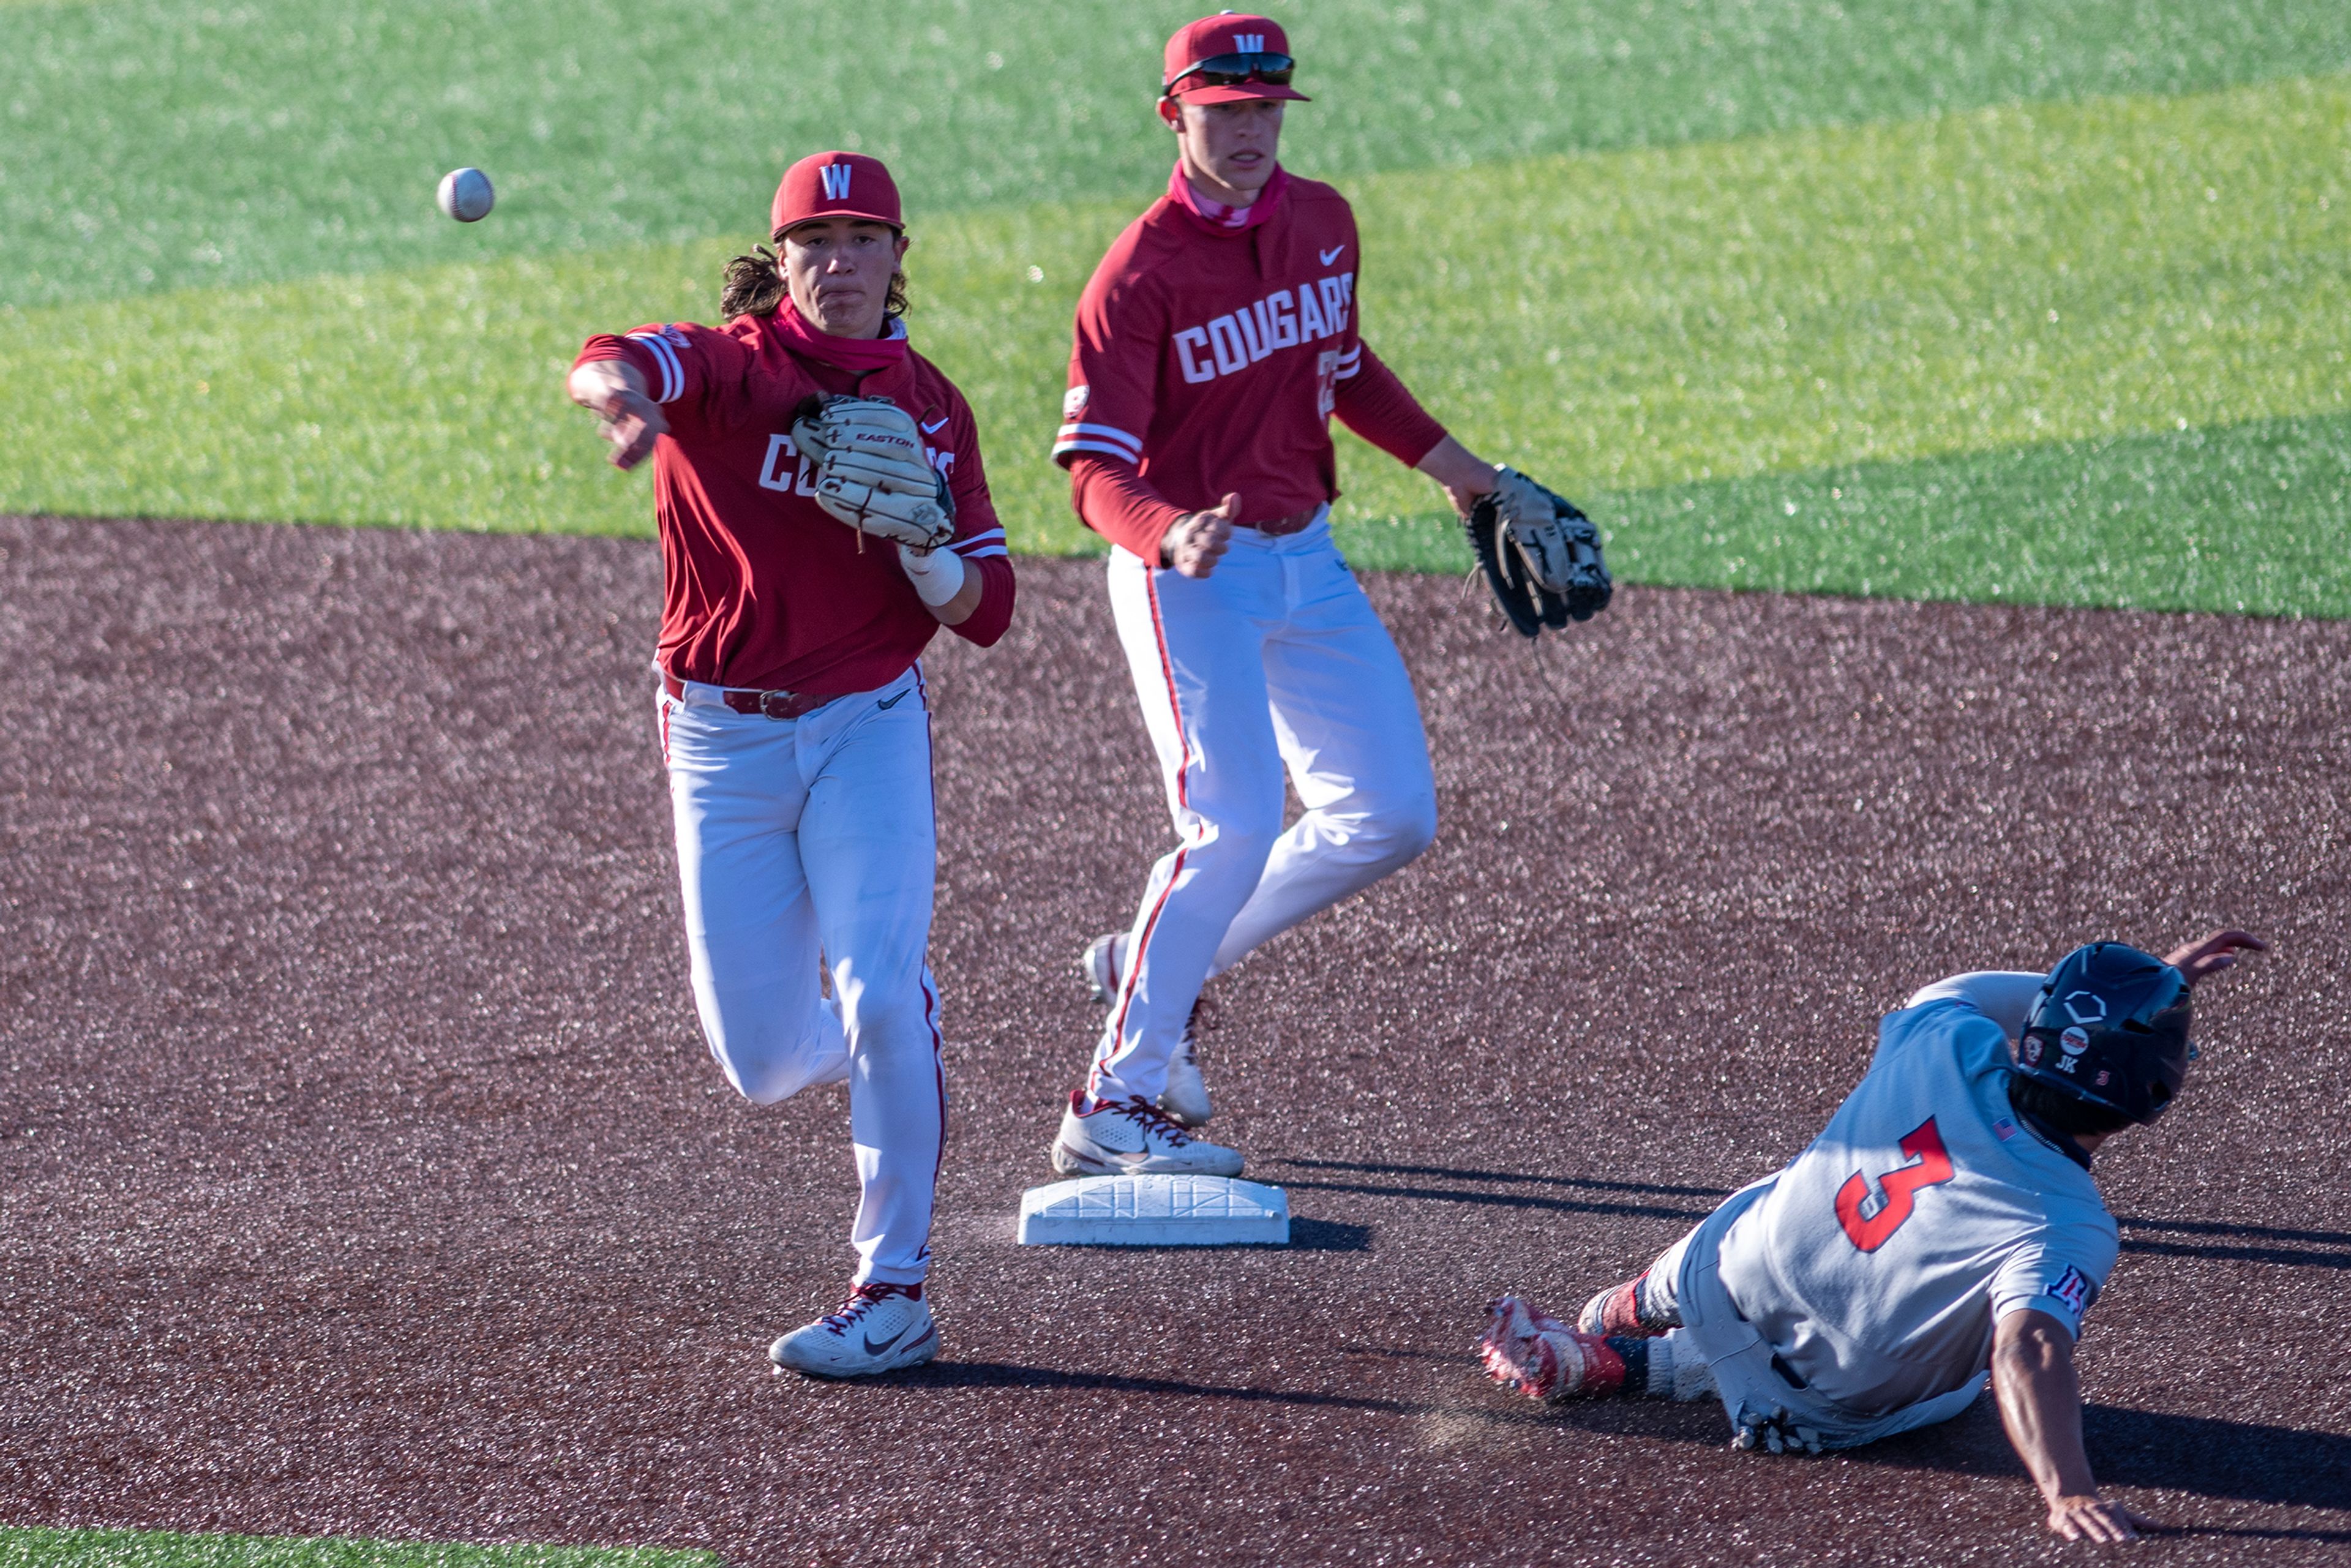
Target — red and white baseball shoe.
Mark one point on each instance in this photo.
(1130, 1137)
(1527, 1349)
(1617, 1311)
(880, 1328)
(1103, 961)
(1185, 1098)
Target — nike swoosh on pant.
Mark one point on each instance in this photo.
(1330, 256)
(894, 702)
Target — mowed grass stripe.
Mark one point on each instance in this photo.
(153, 143)
(40, 1548)
(2252, 518)
(2014, 276)
(1613, 322)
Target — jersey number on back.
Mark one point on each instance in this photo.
(1872, 1231)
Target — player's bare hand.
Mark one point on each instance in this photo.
(1196, 541)
(2214, 953)
(2092, 1517)
(632, 422)
(614, 391)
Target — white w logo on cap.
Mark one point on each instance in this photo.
(1249, 43)
(836, 180)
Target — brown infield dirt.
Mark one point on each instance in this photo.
(365, 1172)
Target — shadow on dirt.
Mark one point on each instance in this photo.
(2200, 1454)
(1306, 1235)
(2203, 1454)
(2233, 1242)
(1586, 1184)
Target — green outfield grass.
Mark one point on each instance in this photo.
(1691, 262)
(158, 1548)
(156, 143)
(2251, 518)
(1664, 325)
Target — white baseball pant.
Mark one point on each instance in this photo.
(808, 835)
(1275, 659)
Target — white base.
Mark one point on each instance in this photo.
(1154, 1211)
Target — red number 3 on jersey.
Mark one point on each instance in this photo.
(1870, 1232)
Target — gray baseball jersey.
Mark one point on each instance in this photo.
(1882, 1257)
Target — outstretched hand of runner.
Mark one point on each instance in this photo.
(2214, 953)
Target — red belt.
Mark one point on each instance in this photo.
(1296, 523)
(775, 705)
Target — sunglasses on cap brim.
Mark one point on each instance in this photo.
(1232, 70)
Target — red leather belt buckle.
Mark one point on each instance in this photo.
(772, 704)
(787, 704)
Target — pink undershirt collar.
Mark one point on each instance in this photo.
(1218, 218)
(862, 356)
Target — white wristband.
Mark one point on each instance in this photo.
(937, 577)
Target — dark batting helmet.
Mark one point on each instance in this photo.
(2111, 1028)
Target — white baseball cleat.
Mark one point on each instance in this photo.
(1128, 1137)
(880, 1328)
(1102, 963)
(1185, 1098)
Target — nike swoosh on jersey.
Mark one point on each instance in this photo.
(933, 429)
(1331, 255)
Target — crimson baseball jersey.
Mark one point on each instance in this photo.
(1211, 355)
(760, 586)
(1884, 1255)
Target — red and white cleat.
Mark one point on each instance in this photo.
(1127, 1137)
(1527, 1349)
(1616, 1310)
(1102, 963)
(880, 1328)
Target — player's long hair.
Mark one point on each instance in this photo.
(754, 286)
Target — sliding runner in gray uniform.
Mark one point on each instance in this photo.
(1943, 1231)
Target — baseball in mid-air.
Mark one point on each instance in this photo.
(466, 196)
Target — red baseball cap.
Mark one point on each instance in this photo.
(1246, 49)
(835, 185)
